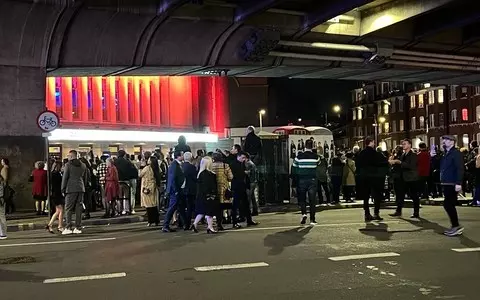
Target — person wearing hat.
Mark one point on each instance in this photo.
(451, 178)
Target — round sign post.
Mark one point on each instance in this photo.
(48, 121)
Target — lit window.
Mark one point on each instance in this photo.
(453, 92)
(478, 136)
(432, 120)
(477, 110)
(412, 102)
(431, 97)
(441, 119)
(440, 96)
(379, 128)
(477, 90)
(386, 126)
(402, 125)
(465, 140)
(414, 123)
(420, 101)
(386, 108)
(421, 120)
(464, 114)
(453, 117)
(354, 117)
(400, 104)
(464, 92)
(359, 114)
(379, 108)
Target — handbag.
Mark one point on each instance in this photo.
(146, 191)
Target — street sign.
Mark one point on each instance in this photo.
(48, 121)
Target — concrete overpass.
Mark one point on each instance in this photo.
(269, 38)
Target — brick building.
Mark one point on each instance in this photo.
(394, 111)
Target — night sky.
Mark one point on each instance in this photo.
(309, 99)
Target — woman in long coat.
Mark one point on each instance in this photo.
(349, 170)
(112, 187)
(224, 176)
(151, 180)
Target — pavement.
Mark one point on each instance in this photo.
(27, 220)
(340, 258)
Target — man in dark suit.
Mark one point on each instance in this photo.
(175, 185)
(409, 179)
(190, 190)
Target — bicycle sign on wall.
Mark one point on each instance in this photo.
(48, 121)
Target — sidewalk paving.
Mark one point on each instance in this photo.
(22, 221)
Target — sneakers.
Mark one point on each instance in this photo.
(455, 231)
(77, 231)
(133, 212)
(304, 220)
(313, 222)
(3, 237)
(377, 218)
(67, 231)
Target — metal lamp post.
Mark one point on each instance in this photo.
(260, 117)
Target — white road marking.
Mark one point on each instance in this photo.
(231, 267)
(462, 250)
(306, 226)
(58, 242)
(363, 256)
(83, 278)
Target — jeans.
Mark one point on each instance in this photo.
(412, 188)
(373, 186)
(476, 193)
(3, 220)
(450, 202)
(253, 197)
(74, 201)
(133, 193)
(336, 187)
(321, 184)
(176, 204)
(240, 202)
(307, 187)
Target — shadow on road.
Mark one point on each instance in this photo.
(380, 231)
(277, 242)
(20, 276)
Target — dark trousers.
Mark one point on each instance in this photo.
(87, 200)
(176, 204)
(423, 187)
(325, 187)
(370, 186)
(9, 205)
(410, 187)
(240, 202)
(190, 203)
(450, 202)
(336, 187)
(307, 187)
(153, 216)
(348, 192)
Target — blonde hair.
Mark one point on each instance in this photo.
(109, 160)
(205, 164)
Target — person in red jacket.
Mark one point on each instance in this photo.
(39, 187)
(423, 162)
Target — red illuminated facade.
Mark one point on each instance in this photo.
(134, 102)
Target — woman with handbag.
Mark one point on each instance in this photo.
(207, 203)
(112, 187)
(151, 181)
(224, 193)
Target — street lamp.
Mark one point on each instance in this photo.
(299, 120)
(260, 116)
(337, 109)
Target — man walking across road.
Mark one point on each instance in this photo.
(409, 179)
(304, 177)
(451, 178)
(73, 187)
(176, 184)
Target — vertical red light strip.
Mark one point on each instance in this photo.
(97, 99)
(135, 93)
(67, 98)
(155, 100)
(221, 104)
(123, 99)
(50, 94)
(110, 100)
(145, 99)
(213, 99)
(165, 100)
(82, 87)
(195, 103)
(180, 102)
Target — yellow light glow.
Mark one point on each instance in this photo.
(382, 119)
(337, 108)
(262, 112)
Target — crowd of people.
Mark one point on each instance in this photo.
(373, 174)
(188, 189)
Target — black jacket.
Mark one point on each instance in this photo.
(253, 144)
(176, 178)
(239, 175)
(371, 164)
(126, 170)
(190, 173)
(409, 166)
(452, 168)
